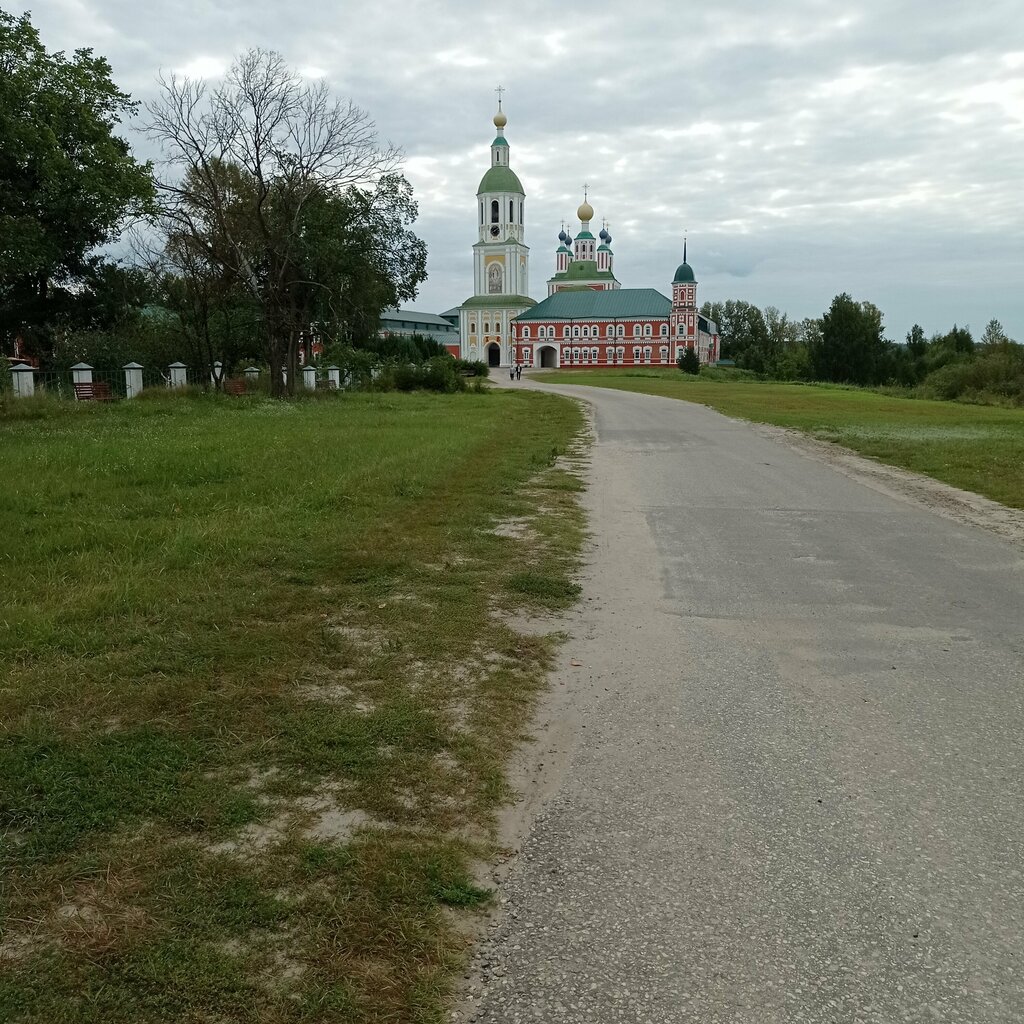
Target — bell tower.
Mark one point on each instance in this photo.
(501, 259)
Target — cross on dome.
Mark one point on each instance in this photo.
(500, 120)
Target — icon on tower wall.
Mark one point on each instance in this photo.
(494, 279)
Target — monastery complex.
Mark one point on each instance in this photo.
(587, 318)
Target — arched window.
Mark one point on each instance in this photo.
(487, 328)
(472, 328)
(647, 330)
(636, 354)
(663, 353)
(494, 211)
(576, 332)
(664, 330)
(636, 332)
(565, 332)
(511, 214)
(520, 213)
(481, 211)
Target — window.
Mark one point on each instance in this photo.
(472, 328)
(594, 354)
(647, 330)
(622, 330)
(511, 215)
(664, 330)
(494, 211)
(487, 328)
(565, 332)
(526, 333)
(520, 213)
(663, 353)
(576, 332)
(647, 353)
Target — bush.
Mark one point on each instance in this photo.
(472, 368)
(689, 361)
(994, 377)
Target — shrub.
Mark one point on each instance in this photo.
(472, 368)
(688, 361)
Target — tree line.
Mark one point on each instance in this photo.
(274, 217)
(847, 345)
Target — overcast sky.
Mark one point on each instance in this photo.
(808, 147)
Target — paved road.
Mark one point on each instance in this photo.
(798, 792)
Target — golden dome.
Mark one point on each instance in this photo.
(585, 212)
(500, 120)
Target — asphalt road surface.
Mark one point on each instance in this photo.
(796, 788)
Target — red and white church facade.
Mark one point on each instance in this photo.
(588, 319)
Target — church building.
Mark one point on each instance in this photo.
(588, 318)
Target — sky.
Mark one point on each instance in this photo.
(804, 147)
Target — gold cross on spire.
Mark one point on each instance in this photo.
(585, 189)
(499, 91)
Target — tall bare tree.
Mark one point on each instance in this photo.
(243, 162)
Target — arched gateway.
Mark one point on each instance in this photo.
(547, 357)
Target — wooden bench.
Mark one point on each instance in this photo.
(93, 391)
(234, 387)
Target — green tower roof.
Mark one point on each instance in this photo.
(684, 275)
(500, 178)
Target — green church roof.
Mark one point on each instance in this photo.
(585, 303)
(499, 141)
(684, 275)
(500, 178)
(584, 234)
(584, 270)
(497, 301)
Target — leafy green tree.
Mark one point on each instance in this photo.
(67, 181)
(994, 336)
(269, 159)
(851, 347)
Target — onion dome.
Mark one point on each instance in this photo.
(603, 235)
(562, 236)
(585, 212)
(684, 274)
(500, 120)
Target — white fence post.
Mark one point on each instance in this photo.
(252, 373)
(23, 379)
(334, 376)
(218, 373)
(179, 375)
(132, 379)
(81, 373)
(309, 377)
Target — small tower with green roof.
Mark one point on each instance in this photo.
(683, 318)
(501, 259)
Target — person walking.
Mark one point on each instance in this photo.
(511, 372)
(519, 371)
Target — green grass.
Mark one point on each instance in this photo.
(259, 695)
(978, 448)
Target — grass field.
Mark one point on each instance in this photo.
(978, 448)
(257, 698)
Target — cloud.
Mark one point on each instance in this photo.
(807, 149)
